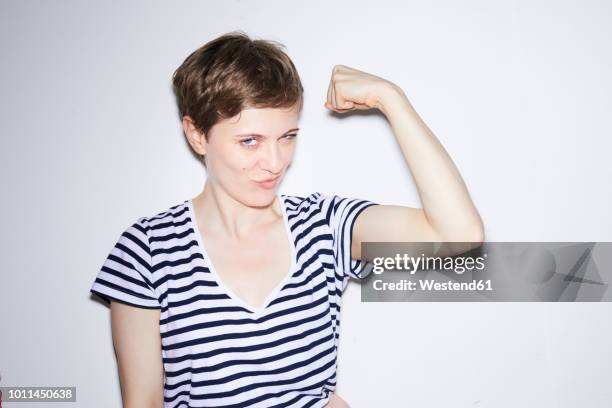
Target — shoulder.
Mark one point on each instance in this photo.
(170, 213)
(303, 210)
(296, 202)
(321, 203)
(147, 226)
(327, 203)
(312, 204)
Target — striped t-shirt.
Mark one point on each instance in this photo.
(217, 350)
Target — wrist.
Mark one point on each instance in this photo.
(390, 95)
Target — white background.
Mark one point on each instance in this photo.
(518, 92)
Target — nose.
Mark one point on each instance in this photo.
(272, 159)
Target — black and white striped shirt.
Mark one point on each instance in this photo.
(217, 350)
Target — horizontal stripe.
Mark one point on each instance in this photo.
(218, 351)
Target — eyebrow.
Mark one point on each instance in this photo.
(256, 134)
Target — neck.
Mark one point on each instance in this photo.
(223, 215)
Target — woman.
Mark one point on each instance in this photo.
(240, 287)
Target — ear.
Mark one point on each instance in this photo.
(196, 139)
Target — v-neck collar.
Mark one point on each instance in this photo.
(273, 294)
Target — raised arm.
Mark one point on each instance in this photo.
(448, 213)
(137, 344)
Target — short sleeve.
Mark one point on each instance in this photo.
(341, 214)
(126, 274)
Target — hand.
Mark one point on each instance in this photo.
(351, 89)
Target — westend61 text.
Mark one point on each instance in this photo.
(432, 285)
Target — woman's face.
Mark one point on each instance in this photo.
(248, 155)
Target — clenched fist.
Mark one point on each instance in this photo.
(351, 89)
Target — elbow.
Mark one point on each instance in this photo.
(143, 404)
(144, 400)
(476, 233)
(472, 229)
(469, 233)
(462, 241)
(477, 237)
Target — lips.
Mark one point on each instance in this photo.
(269, 183)
(268, 180)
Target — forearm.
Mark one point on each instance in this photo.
(143, 402)
(444, 195)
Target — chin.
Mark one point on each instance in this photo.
(261, 198)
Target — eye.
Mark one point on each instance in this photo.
(249, 142)
(291, 136)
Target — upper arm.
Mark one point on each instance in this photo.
(137, 342)
(394, 223)
(340, 214)
(126, 281)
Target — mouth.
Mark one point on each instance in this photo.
(269, 183)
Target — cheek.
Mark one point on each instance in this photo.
(236, 161)
(228, 165)
(289, 153)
